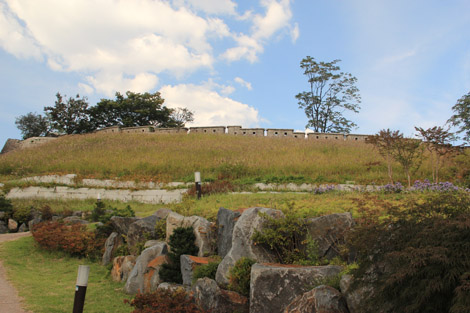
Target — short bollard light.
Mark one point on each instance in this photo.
(197, 179)
(80, 288)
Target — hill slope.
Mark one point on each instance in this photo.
(176, 157)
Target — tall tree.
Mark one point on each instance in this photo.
(69, 116)
(131, 109)
(331, 93)
(385, 142)
(461, 117)
(32, 125)
(181, 116)
(409, 153)
(438, 142)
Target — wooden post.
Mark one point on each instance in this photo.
(80, 288)
(197, 179)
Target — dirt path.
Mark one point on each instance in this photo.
(10, 302)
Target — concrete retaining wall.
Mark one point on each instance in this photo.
(144, 196)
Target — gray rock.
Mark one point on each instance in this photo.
(322, 299)
(75, 220)
(2, 215)
(3, 228)
(273, 286)
(150, 243)
(353, 297)
(226, 220)
(242, 245)
(329, 231)
(202, 231)
(174, 287)
(112, 243)
(33, 222)
(122, 267)
(121, 224)
(23, 228)
(189, 264)
(140, 231)
(144, 271)
(12, 224)
(162, 213)
(210, 297)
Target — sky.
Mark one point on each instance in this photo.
(237, 62)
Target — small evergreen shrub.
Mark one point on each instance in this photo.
(239, 276)
(205, 270)
(6, 206)
(22, 214)
(283, 236)
(181, 242)
(165, 301)
(102, 214)
(160, 229)
(74, 239)
(46, 213)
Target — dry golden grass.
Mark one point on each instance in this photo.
(170, 157)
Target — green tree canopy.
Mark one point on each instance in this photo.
(331, 93)
(132, 109)
(32, 125)
(461, 117)
(69, 116)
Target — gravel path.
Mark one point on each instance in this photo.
(10, 302)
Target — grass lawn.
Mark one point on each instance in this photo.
(47, 280)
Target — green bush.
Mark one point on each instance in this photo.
(283, 236)
(22, 214)
(181, 242)
(160, 229)
(206, 270)
(416, 259)
(102, 214)
(6, 206)
(239, 276)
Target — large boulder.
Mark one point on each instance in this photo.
(122, 267)
(121, 224)
(74, 220)
(329, 231)
(33, 222)
(322, 299)
(226, 220)
(210, 297)
(140, 231)
(12, 224)
(162, 213)
(273, 286)
(242, 245)
(112, 243)
(202, 230)
(354, 296)
(139, 275)
(23, 228)
(189, 264)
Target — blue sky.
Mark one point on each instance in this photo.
(237, 62)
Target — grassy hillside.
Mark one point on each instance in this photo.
(177, 157)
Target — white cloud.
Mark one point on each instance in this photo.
(119, 45)
(209, 106)
(14, 38)
(244, 83)
(211, 6)
(295, 32)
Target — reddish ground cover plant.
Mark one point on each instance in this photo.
(75, 239)
(164, 301)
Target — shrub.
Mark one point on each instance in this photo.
(416, 259)
(160, 229)
(46, 213)
(218, 186)
(164, 301)
(181, 242)
(74, 239)
(283, 236)
(22, 214)
(102, 214)
(239, 276)
(6, 206)
(206, 270)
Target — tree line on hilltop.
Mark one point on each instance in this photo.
(73, 115)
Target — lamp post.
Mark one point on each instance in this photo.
(197, 179)
(80, 288)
